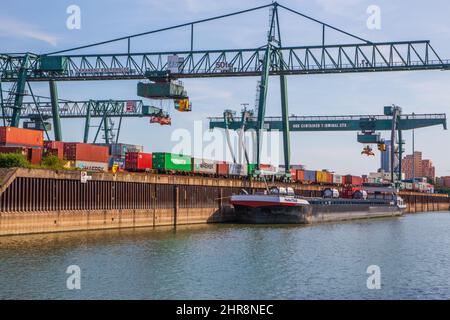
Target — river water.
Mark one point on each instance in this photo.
(326, 261)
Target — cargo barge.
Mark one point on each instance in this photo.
(282, 206)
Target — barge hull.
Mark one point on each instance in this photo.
(312, 214)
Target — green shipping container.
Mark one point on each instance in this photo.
(168, 161)
(251, 167)
(161, 90)
(53, 63)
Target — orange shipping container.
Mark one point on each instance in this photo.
(35, 155)
(300, 175)
(85, 152)
(55, 148)
(21, 137)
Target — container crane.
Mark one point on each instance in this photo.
(271, 58)
(367, 126)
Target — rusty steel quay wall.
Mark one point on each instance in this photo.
(37, 201)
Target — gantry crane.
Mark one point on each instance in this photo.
(269, 59)
(39, 112)
(367, 126)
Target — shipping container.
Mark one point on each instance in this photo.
(156, 90)
(222, 169)
(324, 177)
(86, 152)
(204, 166)
(235, 169)
(55, 148)
(268, 169)
(89, 165)
(120, 149)
(300, 175)
(138, 161)
(35, 155)
(163, 161)
(293, 173)
(353, 180)
(11, 136)
(309, 176)
(120, 161)
(337, 179)
(21, 150)
(251, 168)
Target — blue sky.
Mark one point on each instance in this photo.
(40, 26)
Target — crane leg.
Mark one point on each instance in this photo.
(21, 82)
(55, 110)
(87, 123)
(286, 133)
(262, 104)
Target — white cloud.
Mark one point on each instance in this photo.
(13, 28)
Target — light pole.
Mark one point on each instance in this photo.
(413, 158)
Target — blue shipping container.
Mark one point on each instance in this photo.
(310, 176)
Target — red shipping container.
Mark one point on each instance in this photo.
(353, 180)
(300, 175)
(85, 152)
(21, 150)
(330, 178)
(222, 169)
(138, 161)
(35, 155)
(55, 148)
(21, 137)
(293, 174)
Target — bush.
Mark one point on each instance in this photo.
(52, 162)
(11, 160)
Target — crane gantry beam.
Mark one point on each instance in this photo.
(334, 123)
(302, 60)
(95, 109)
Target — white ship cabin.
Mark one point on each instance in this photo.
(282, 191)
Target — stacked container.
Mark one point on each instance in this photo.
(353, 180)
(117, 152)
(300, 175)
(138, 161)
(11, 136)
(55, 148)
(324, 177)
(86, 156)
(309, 176)
(24, 141)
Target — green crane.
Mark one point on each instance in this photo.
(367, 126)
(271, 58)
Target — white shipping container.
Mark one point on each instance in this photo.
(237, 169)
(337, 179)
(90, 165)
(204, 166)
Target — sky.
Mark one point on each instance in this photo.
(40, 27)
